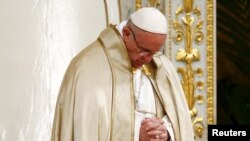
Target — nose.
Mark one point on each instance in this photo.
(145, 54)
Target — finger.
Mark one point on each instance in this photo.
(164, 136)
(156, 120)
(156, 140)
(155, 126)
(155, 132)
(152, 126)
(162, 128)
(146, 120)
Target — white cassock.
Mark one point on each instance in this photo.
(145, 103)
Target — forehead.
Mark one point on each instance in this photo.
(150, 40)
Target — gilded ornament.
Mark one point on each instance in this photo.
(197, 11)
(199, 72)
(199, 99)
(199, 130)
(198, 126)
(200, 85)
(199, 36)
(183, 55)
(176, 25)
(153, 3)
(178, 37)
(189, 30)
(200, 25)
(138, 4)
(179, 11)
(193, 112)
(188, 5)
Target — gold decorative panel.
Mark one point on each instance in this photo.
(188, 31)
(187, 28)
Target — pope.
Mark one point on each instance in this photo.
(122, 88)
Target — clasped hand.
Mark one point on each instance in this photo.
(153, 129)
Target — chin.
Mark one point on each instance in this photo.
(137, 65)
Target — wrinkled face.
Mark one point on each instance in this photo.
(141, 45)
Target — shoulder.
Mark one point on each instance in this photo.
(89, 58)
(91, 51)
(89, 54)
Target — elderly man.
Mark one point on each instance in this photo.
(122, 88)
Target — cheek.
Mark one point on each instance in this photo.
(148, 59)
(134, 58)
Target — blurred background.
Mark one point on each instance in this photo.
(233, 62)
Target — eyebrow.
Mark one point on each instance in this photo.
(139, 46)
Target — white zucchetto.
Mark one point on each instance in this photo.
(150, 19)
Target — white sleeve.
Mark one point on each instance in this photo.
(169, 127)
(137, 130)
(138, 119)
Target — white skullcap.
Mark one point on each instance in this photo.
(150, 19)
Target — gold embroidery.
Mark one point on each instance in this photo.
(145, 68)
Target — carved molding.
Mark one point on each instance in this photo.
(210, 63)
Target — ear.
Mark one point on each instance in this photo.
(125, 33)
